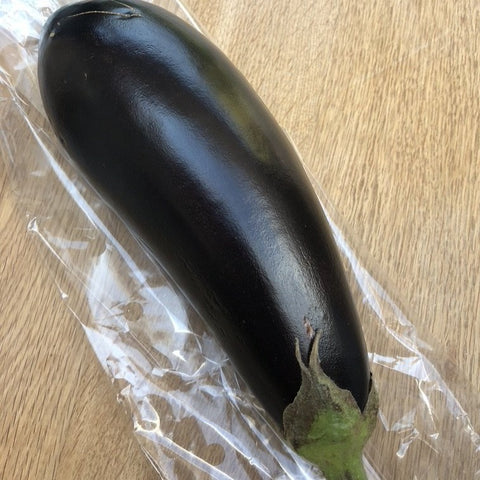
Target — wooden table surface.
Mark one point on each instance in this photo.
(382, 100)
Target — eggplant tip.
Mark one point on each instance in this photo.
(325, 425)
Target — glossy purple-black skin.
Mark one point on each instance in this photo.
(175, 139)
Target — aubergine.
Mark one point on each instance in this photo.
(174, 138)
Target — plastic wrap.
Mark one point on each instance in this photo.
(191, 413)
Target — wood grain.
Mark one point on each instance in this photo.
(381, 99)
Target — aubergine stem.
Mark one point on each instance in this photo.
(324, 423)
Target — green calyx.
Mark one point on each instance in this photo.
(325, 425)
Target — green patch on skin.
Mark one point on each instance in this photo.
(325, 425)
